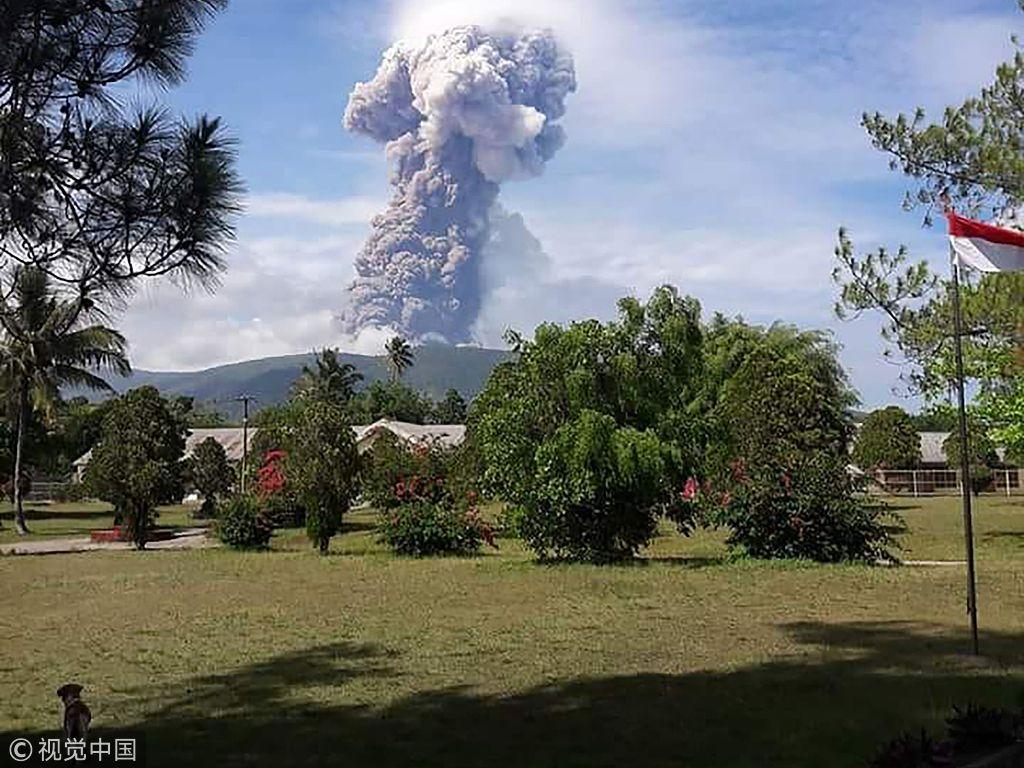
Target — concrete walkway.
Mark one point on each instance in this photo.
(187, 538)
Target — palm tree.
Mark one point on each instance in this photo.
(45, 345)
(400, 357)
(330, 378)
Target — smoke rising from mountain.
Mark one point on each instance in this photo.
(460, 114)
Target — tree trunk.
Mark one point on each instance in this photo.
(19, 511)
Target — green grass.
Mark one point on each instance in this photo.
(77, 519)
(688, 658)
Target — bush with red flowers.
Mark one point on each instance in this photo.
(808, 511)
(424, 511)
(422, 528)
(270, 476)
(277, 499)
(395, 473)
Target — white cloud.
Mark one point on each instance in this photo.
(954, 54)
(279, 296)
(332, 213)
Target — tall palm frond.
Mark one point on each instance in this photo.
(399, 355)
(46, 344)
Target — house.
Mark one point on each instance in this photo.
(933, 453)
(230, 439)
(445, 435)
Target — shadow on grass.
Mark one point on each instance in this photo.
(676, 560)
(855, 686)
(47, 514)
(1013, 535)
(356, 526)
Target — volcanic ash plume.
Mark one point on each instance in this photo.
(460, 114)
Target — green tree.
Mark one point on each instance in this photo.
(211, 474)
(1005, 413)
(451, 409)
(329, 378)
(937, 417)
(887, 439)
(137, 465)
(981, 458)
(47, 343)
(598, 491)
(389, 400)
(400, 357)
(623, 387)
(775, 409)
(98, 193)
(778, 478)
(729, 343)
(323, 467)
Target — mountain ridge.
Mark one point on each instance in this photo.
(437, 368)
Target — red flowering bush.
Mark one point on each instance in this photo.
(807, 510)
(422, 528)
(270, 476)
(424, 506)
(396, 474)
(276, 498)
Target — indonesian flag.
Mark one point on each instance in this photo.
(984, 247)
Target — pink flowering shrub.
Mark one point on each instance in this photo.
(804, 510)
(423, 528)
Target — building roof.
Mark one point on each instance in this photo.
(230, 439)
(446, 435)
(932, 451)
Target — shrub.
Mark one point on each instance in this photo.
(911, 751)
(282, 511)
(424, 528)
(598, 491)
(270, 478)
(388, 463)
(804, 510)
(25, 485)
(242, 525)
(981, 457)
(70, 493)
(976, 728)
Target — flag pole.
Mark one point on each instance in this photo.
(965, 459)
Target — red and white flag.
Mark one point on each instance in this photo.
(985, 247)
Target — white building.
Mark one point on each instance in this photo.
(231, 438)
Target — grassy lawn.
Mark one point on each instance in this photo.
(689, 658)
(77, 519)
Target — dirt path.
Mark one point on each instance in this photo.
(188, 538)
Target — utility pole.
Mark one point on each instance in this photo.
(245, 400)
(965, 459)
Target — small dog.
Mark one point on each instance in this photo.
(76, 715)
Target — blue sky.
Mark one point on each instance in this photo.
(713, 145)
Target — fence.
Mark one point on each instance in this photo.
(942, 482)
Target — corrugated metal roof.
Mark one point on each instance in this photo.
(447, 435)
(230, 439)
(932, 451)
